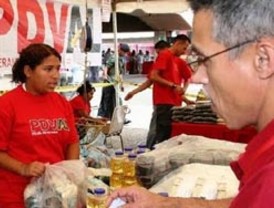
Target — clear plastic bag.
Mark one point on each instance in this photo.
(61, 186)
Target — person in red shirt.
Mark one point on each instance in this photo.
(167, 75)
(36, 123)
(81, 103)
(185, 73)
(81, 109)
(233, 56)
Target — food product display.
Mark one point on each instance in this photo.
(198, 113)
(199, 180)
(181, 150)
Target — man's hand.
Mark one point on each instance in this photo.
(180, 90)
(129, 96)
(136, 197)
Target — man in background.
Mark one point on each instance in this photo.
(167, 75)
(108, 99)
(159, 46)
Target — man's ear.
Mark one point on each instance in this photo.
(264, 59)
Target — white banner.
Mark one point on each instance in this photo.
(54, 23)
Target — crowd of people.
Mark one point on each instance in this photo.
(134, 62)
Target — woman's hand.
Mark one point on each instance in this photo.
(33, 169)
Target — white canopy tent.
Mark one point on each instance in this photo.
(148, 6)
(151, 6)
(129, 6)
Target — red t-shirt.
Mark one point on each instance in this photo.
(185, 71)
(78, 103)
(32, 128)
(255, 170)
(173, 69)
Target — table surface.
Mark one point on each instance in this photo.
(217, 131)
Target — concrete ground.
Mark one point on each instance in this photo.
(140, 105)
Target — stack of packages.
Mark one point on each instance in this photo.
(182, 150)
(198, 113)
(200, 181)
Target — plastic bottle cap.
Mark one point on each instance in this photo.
(99, 191)
(127, 149)
(119, 153)
(142, 146)
(140, 152)
(132, 155)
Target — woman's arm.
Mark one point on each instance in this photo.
(73, 151)
(32, 169)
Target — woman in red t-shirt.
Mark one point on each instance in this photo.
(36, 123)
(81, 104)
(82, 109)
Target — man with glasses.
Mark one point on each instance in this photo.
(233, 42)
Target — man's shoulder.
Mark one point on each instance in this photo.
(165, 52)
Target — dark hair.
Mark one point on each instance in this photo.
(124, 47)
(181, 37)
(87, 87)
(236, 21)
(32, 56)
(161, 44)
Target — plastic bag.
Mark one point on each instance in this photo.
(61, 186)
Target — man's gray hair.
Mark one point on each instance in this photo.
(236, 21)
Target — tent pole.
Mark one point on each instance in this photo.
(117, 74)
(86, 58)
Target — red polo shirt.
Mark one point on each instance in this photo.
(255, 170)
(173, 69)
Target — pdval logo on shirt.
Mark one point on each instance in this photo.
(48, 126)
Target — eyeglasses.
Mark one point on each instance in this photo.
(196, 59)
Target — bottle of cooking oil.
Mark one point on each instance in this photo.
(97, 199)
(116, 166)
(129, 171)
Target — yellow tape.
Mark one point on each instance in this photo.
(71, 88)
